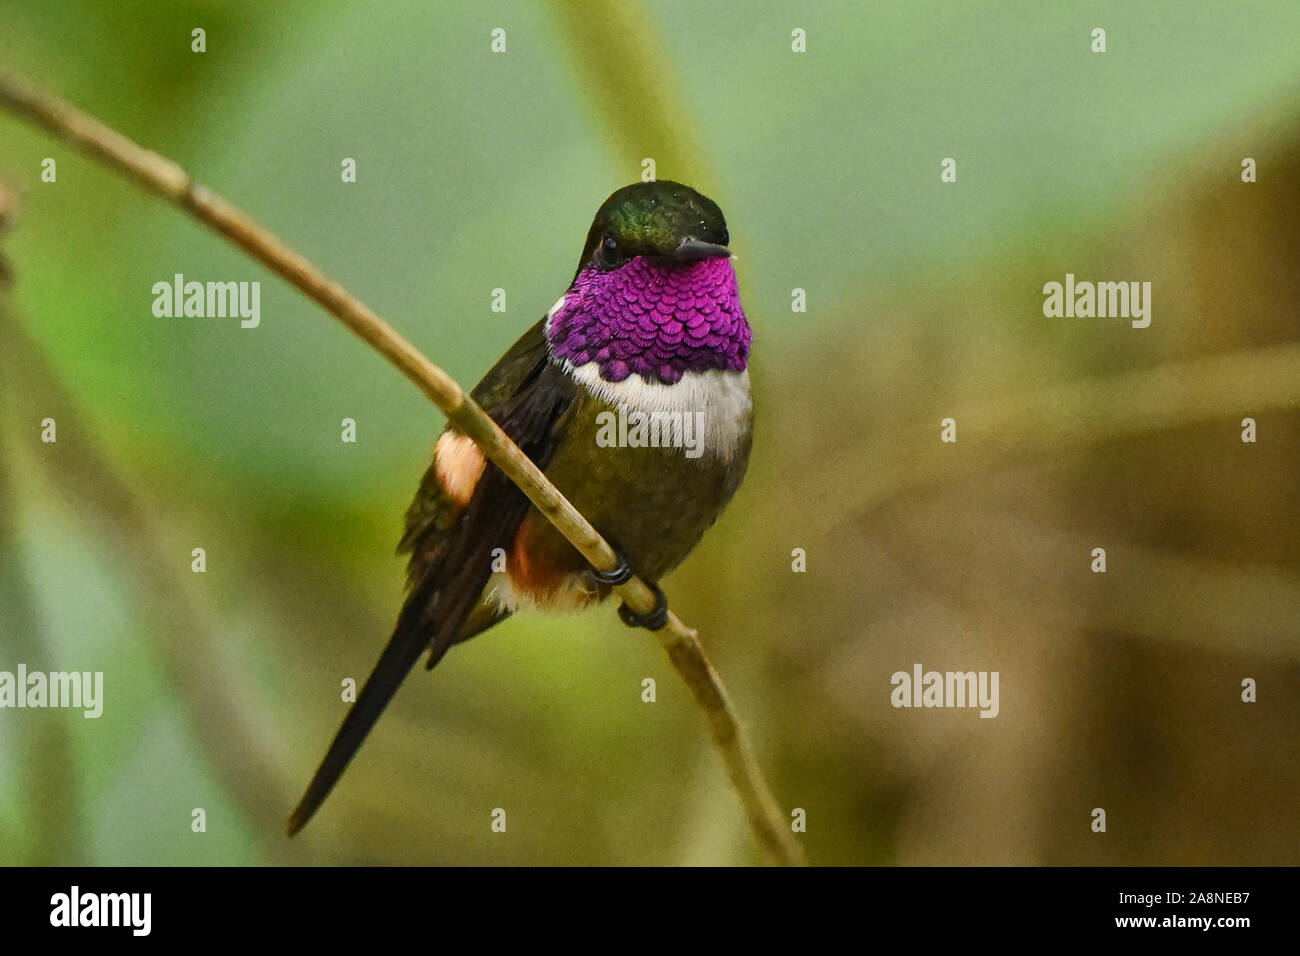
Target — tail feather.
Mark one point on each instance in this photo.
(434, 617)
(411, 637)
(438, 612)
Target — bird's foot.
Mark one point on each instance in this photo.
(655, 618)
(620, 575)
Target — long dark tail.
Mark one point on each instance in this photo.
(435, 614)
(434, 617)
(409, 640)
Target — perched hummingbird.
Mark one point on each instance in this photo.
(651, 323)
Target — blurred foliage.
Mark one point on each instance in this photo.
(479, 171)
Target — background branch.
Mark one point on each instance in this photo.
(681, 643)
(226, 717)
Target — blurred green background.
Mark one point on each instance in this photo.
(479, 170)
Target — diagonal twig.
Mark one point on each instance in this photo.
(167, 179)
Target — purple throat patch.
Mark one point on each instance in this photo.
(655, 321)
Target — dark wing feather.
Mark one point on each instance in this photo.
(451, 584)
(432, 513)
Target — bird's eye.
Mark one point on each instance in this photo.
(608, 256)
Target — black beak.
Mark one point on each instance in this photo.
(690, 250)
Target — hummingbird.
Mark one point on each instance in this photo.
(651, 329)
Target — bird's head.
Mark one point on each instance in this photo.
(655, 293)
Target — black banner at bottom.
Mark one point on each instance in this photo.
(336, 906)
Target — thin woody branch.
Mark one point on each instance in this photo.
(161, 175)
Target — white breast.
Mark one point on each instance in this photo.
(721, 397)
